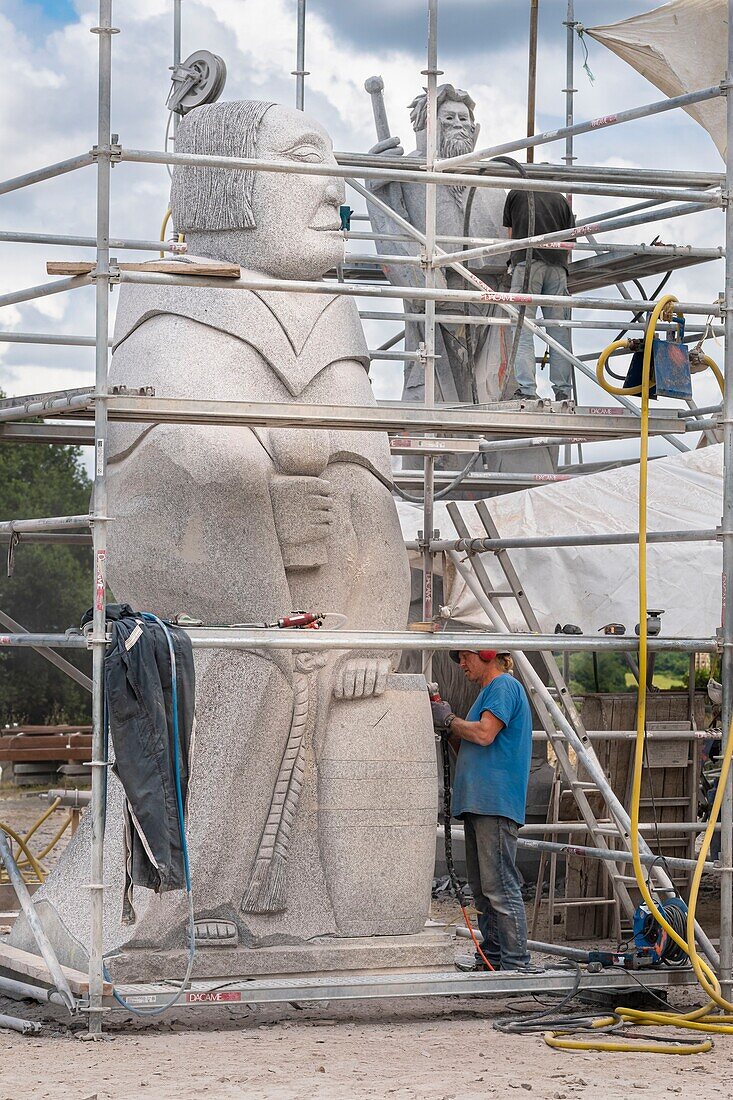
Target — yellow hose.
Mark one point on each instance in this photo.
(166, 219)
(39, 871)
(52, 843)
(46, 814)
(701, 1019)
(713, 366)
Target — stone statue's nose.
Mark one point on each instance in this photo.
(334, 193)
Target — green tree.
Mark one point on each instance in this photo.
(612, 669)
(51, 585)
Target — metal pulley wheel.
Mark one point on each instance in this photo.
(197, 80)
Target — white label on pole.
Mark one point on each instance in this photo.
(100, 457)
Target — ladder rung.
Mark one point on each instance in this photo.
(571, 902)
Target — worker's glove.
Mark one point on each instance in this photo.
(442, 714)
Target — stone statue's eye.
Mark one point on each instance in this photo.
(307, 153)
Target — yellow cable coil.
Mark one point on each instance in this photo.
(705, 1018)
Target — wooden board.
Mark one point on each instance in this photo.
(59, 741)
(33, 966)
(163, 267)
(59, 754)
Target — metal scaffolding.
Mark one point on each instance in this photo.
(650, 193)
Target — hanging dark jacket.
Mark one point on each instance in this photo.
(138, 690)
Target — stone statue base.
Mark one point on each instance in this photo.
(432, 949)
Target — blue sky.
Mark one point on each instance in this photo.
(482, 47)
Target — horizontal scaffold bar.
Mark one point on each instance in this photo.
(55, 286)
(590, 173)
(65, 241)
(562, 239)
(630, 538)
(507, 422)
(415, 479)
(39, 174)
(261, 638)
(45, 523)
(506, 322)
(45, 404)
(369, 290)
(655, 108)
(664, 194)
(609, 855)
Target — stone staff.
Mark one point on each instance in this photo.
(375, 86)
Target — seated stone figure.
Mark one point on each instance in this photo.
(312, 799)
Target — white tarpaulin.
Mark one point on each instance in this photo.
(680, 47)
(592, 586)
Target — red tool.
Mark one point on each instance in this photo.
(300, 620)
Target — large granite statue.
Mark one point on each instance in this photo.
(313, 799)
(471, 357)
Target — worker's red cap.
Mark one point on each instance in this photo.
(484, 654)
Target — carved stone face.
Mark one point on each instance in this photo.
(297, 226)
(456, 132)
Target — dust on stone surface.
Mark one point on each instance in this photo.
(422, 1049)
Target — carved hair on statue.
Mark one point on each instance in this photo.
(216, 198)
(446, 92)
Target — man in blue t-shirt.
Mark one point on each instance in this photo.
(489, 794)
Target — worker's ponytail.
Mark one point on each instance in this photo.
(506, 662)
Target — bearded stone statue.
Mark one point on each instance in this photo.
(470, 357)
(313, 797)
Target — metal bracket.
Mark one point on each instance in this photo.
(104, 30)
(133, 391)
(113, 151)
(112, 276)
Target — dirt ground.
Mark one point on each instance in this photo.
(423, 1049)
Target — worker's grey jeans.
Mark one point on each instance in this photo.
(544, 278)
(491, 853)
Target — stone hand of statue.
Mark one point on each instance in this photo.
(303, 510)
(390, 147)
(361, 677)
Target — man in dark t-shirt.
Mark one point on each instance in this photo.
(548, 275)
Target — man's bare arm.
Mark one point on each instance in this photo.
(483, 732)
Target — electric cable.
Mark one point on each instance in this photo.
(539, 1021)
(447, 488)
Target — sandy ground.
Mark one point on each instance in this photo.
(437, 1049)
